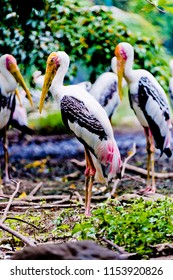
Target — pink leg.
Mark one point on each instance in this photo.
(89, 179)
(6, 157)
(151, 186)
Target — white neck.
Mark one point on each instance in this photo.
(8, 82)
(128, 69)
(58, 80)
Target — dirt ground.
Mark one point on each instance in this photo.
(61, 175)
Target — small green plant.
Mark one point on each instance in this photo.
(136, 225)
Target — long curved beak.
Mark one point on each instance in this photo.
(48, 78)
(18, 96)
(120, 72)
(18, 76)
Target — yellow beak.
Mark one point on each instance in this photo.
(120, 71)
(48, 78)
(18, 96)
(18, 76)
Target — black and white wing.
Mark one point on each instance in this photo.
(171, 91)
(77, 117)
(156, 112)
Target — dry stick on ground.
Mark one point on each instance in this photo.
(6, 228)
(20, 220)
(18, 235)
(118, 248)
(123, 169)
(79, 197)
(10, 201)
(144, 172)
(35, 190)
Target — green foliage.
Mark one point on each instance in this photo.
(51, 123)
(135, 225)
(88, 35)
(159, 13)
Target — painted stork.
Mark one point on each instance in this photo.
(171, 83)
(20, 117)
(83, 115)
(9, 77)
(105, 89)
(150, 104)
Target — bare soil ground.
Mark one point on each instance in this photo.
(58, 182)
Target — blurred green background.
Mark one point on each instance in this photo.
(88, 31)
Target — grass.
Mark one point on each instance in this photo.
(137, 225)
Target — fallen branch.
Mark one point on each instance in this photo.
(10, 202)
(56, 197)
(20, 220)
(123, 169)
(142, 171)
(18, 235)
(79, 197)
(35, 190)
(119, 249)
(6, 228)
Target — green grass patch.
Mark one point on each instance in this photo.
(135, 225)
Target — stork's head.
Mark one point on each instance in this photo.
(123, 52)
(9, 62)
(54, 61)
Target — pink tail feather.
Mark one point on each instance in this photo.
(109, 156)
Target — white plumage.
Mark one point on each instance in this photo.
(150, 104)
(9, 77)
(87, 119)
(171, 83)
(105, 89)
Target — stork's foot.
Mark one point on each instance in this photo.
(6, 180)
(87, 213)
(148, 190)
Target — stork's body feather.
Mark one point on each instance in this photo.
(152, 111)
(171, 83)
(89, 122)
(9, 76)
(87, 119)
(150, 104)
(105, 90)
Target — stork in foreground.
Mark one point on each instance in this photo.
(150, 104)
(105, 89)
(171, 83)
(83, 115)
(9, 77)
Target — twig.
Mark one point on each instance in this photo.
(18, 203)
(127, 159)
(56, 197)
(18, 235)
(20, 220)
(118, 248)
(10, 202)
(79, 197)
(123, 169)
(144, 172)
(61, 201)
(135, 178)
(155, 6)
(35, 190)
